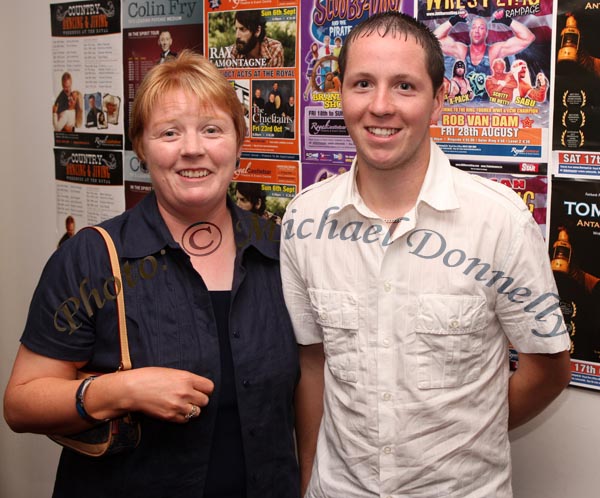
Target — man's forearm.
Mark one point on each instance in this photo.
(539, 379)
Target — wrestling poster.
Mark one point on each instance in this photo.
(497, 81)
(324, 28)
(87, 80)
(256, 49)
(574, 240)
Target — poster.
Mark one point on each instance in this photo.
(528, 180)
(497, 80)
(265, 187)
(89, 187)
(574, 239)
(153, 33)
(324, 29)
(256, 49)
(87, 80)
(576, 115)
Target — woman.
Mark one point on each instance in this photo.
(70, 118)
(213, 352)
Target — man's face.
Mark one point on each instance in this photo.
(388, 102)
(71, 228)
(257, 93)
(478, 31)
(521, 68)
(165, 41)
(92, 102)
(245, 40)
(498, 66)
(66, 85)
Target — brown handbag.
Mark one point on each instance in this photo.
(119, 434)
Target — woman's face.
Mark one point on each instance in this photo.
(191, 150)
(72, 101)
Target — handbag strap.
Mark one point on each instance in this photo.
(119, 291)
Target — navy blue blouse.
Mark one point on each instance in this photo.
(171, 323)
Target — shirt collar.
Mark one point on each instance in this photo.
(147, 232)
(437, 190)
(251, 230)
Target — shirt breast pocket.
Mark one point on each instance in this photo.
(449, 336)
(337, 314)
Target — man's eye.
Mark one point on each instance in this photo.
(405, 86)
(362, 84)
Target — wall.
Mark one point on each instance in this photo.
(555, 456)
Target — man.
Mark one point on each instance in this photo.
(325, 55)
(251, 41)
(62, 101)
(520, 72)
(258, 101)
(500, 85)
(92, 115)
(460, 88)
(289, 109)
(70, 230)
(164, 42)
(478, 54)
(405, 280)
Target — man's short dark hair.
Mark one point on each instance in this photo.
(252, 20)
(398, 24)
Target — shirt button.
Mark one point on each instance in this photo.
(246, 383)
(387, 286)
(236, 334)
(387, 450)
(387, 396)
(386, 343)
(454, 324)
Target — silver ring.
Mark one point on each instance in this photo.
(194, 412)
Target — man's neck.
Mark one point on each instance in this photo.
(390, 194)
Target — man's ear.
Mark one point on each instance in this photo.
(437, 104)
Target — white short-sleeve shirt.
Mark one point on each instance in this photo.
(416, 326)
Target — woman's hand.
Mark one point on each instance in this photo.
(164, 393)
